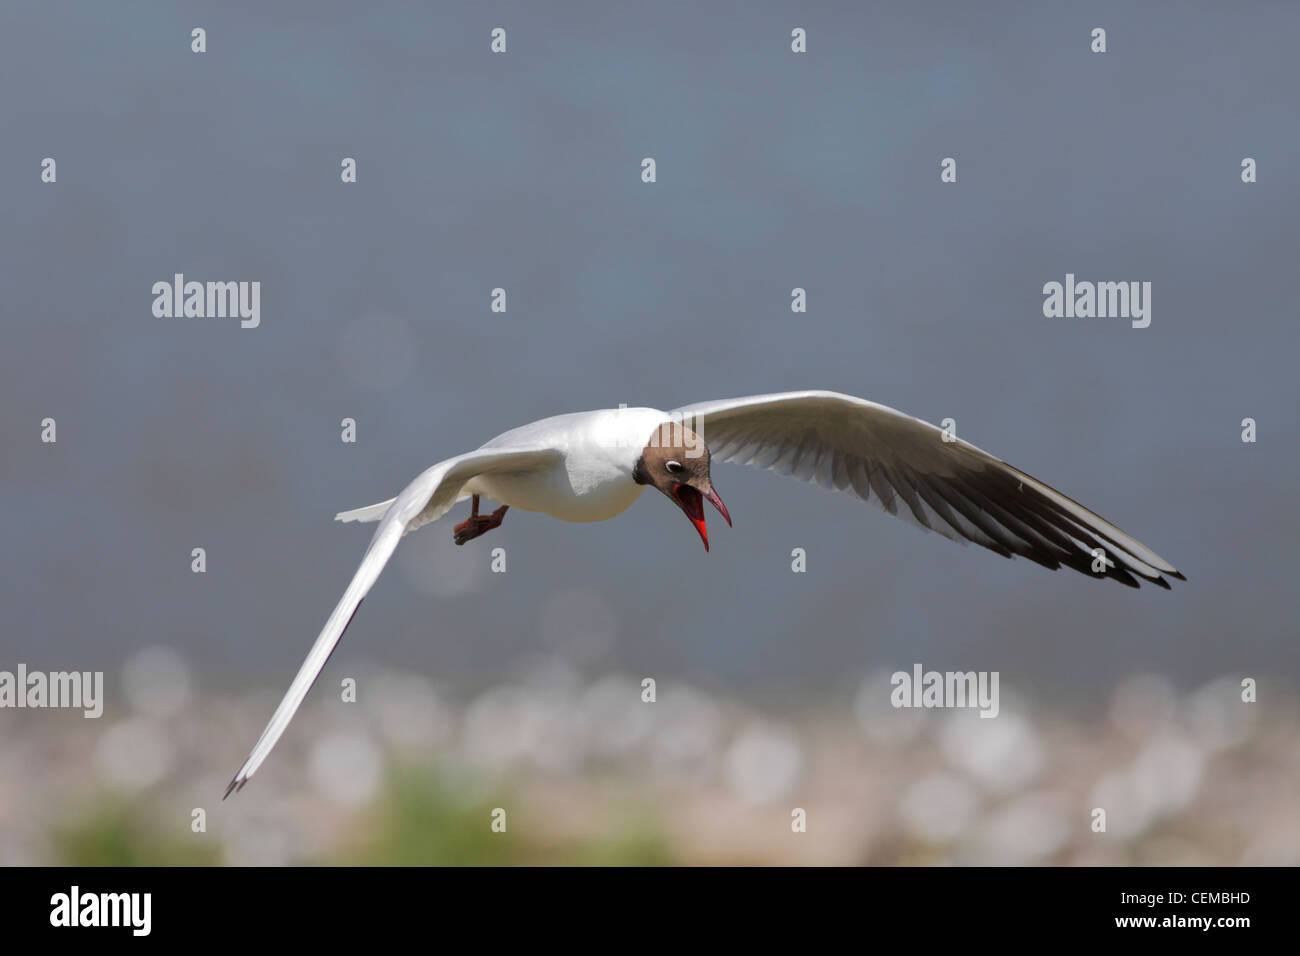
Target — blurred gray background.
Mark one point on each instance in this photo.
(522, 171)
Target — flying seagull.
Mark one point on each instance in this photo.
(590, 466)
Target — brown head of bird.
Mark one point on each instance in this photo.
(676, 461)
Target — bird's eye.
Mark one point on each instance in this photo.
(674, 466)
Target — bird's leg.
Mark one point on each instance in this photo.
(478, 524)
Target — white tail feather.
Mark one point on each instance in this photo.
(368, 513)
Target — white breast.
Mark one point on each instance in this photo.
(593, 481)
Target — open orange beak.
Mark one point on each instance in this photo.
(692, 502)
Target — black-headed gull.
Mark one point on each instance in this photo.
(591, 466)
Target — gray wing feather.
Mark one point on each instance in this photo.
(906, 467)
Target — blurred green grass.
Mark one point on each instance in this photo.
(422, 822)
(118, 833)
(417, 820)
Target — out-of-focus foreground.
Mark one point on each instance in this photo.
(580, 769)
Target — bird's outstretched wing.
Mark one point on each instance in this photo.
(952, 487)
(425, 499)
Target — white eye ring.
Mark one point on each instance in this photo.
(674, 466)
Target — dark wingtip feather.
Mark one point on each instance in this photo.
(1121, 575)
(235, 784)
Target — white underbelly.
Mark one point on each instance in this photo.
(555, 494)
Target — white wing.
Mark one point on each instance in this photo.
(954, 488)
(425, 499)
